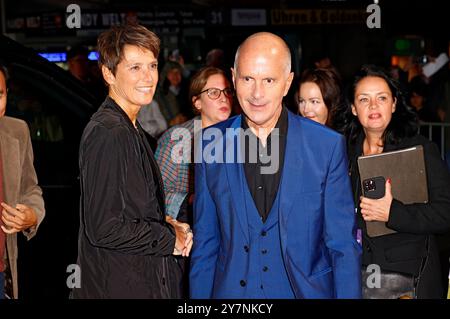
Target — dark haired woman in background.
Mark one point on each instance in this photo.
(377, 120)
(319, 95)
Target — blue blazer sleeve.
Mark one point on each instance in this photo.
(206, 240)
(340, 227)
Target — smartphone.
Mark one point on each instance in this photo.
(374, 187)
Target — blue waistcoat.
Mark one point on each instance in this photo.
(267, 276)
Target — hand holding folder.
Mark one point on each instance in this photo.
(406, 168)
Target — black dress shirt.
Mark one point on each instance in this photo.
(264, 187)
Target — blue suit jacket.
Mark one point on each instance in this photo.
(316, 217)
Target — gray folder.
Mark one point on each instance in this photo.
(406, 168)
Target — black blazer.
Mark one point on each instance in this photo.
(125, 246)
(413, 249)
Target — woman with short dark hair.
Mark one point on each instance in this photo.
(125, 244)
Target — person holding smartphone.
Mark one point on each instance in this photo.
(376, 120)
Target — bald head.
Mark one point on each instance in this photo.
(262, 77)
(265, 43)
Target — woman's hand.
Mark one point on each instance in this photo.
(184, 237)
(377, 209)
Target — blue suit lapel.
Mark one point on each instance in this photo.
(236, 179)
(291, 176)
(290, 181)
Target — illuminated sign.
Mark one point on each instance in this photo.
(62, 56)
(54, 56)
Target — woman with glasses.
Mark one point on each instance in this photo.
(211, 96)
(319, 95)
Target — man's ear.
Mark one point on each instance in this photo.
(233, 77)
(288, 83)
(108, 75)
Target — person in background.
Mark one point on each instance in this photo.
(322, 61)
(152, 120)
(81, 68)
(172, 94)
(378, 120)
(319, 95)
(78, 63)
(178, 57)
(211, 96)
(22, 205)
(417, 89)
(126, 247)
(215, 58)
(417, 93)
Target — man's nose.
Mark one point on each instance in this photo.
(258, 90)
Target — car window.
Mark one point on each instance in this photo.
(55, 129)
(56, 109)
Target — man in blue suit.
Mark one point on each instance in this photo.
(287, 232)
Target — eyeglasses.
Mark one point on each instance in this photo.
(214, 93)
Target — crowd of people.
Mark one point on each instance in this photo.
(174, 206)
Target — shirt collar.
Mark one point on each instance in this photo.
(110, 103)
